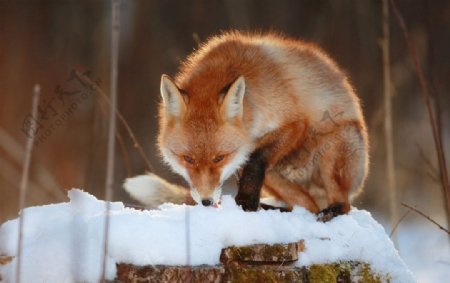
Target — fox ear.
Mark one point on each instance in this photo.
(233, 102)
(172, 98)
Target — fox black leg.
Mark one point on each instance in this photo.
(251, 181)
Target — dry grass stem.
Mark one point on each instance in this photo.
(115, 34)
(388, 127)
(24, 180)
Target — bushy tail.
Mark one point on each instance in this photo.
(152, 191)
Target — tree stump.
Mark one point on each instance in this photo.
(160, 273)
(255, 263)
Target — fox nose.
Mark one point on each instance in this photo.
(206, 202)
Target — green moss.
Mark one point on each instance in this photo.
(346, 272)
(369, 276)
(323, 273)
(290, 277)
(262, 274)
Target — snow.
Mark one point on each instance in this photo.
(63, 242)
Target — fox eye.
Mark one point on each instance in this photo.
(188, 159)
(218, 158)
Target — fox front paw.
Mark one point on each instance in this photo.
(248, 203)
(332, 211)
(272, 207)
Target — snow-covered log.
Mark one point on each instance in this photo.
(63, 243)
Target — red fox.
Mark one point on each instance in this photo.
(277, 110)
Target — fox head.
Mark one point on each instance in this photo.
(202, 137)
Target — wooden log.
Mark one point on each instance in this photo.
(342, 272)
(255, 263)
(158, 273)
(262, 253)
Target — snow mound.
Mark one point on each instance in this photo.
(63, 242)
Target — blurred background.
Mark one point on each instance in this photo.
(45, 41)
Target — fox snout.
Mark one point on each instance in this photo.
(205, 188)
(207, 202)
(206, 197)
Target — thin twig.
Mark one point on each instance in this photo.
(390, 167)
(126, 157)
(398, 223)
(85, 79)
(427, 95)
(427, 217)
(432, 172)
(24, 180)
(431, 31)
(121, 142)
(443, 261)
(115, 31)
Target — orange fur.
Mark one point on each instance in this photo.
(242, 92)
